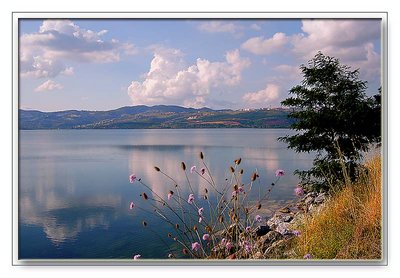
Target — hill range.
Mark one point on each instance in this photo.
(159, 116)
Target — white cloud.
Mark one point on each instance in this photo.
(218, 26)
(48, 85)
(255, 26)
(264, 97)
(171, 81)
(45, 53)
(261, 46)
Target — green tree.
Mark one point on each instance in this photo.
(334, 118)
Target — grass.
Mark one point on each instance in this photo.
(349, 225)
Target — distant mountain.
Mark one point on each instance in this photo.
(159, 116)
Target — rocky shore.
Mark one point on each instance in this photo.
(272, 239)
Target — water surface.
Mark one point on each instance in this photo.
(74, 191)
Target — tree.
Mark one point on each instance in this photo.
(334, 118)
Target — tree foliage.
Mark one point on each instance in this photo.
(334, 118)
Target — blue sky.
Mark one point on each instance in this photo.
(105, 64)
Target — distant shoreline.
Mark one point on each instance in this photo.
(155, 117)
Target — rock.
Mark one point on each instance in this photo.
(262, 230)
(309, 200)
(276, 250)
(277, 219)
(320, 198)
(285, 210)
(265, 241)
(287, 218)
(283, 228)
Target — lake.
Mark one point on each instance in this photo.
(74, 189)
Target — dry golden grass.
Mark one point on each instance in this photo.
(349, 225)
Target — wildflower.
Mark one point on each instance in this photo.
(296, 233)
(307, 256)
(132, 178)
(229, 245)
(258, 218)
(247, 246)
(190, 199)
(200, 219)
(223, 241)
(185, 251)
(206, 237)
(192, 169)
(170, 194)
(237, 161)
(234, 193)
(131, 205)
(279, 173)
(195, 246)
(202, 171)
(137, 257)
(240, 189)
(200, 211)
(299, 191)
(248, 229)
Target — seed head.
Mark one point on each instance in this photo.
(241, 171)
(237, 161)
(258, 206)
(144, 223)
(201, 155)
(156, 168)
(254, 176)
(144, 195)
(232, 169)
(183, 165)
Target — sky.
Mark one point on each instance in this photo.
(103, 64)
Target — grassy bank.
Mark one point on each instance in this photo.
(349, 226)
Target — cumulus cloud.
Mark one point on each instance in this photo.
(48, 85)
(264, 97)
(261, 46)
(218, 26)
(44, 54)
(171, 81)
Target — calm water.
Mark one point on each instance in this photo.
(74, 192)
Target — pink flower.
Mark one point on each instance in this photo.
(200, 219)
(247, 246)
(229, 245)
(297, 233)
(132, 178)
(200, 211)
(195, 246)
(299, 191)
(193, 169)
(307, 256)
(137, 257)
(240, 189)
(258, 218)
(223, 241)
(279, 173)
(170, 194)
(202, 171)
(234, 193)
(206, 237)
(248, 229)
(191, 199)
(131, 205)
